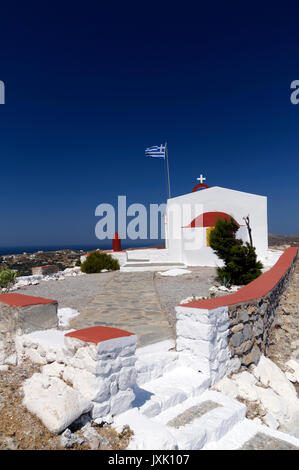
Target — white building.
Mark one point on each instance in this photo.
(190, 218)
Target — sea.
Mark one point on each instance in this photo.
(14, 250)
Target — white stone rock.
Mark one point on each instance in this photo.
(53, 370)
(4, 368)
(246, 386)
(11, 360)
(99, 410)
(50, 356)
(291, 377)
(272, 376)
(105, 419)
(34, 356)
(56, 404)
(294, 368)
(274, 404)
(270, 421)
(228, 387)
(65, 315)
(174, 272)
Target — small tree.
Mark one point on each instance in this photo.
(97, 261)
(223, 237)
(240, 261)
(7, 276)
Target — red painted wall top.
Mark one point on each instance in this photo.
(97, 334)
(20, 300)
(255, 289)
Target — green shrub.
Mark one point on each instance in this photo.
(78, 262)
(96, 261)
(7, 276)
(240, 261)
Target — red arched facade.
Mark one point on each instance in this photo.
(208, 219)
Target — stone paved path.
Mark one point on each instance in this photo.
(128, 301)
(265, 442)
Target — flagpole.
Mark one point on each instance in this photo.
(167, 167)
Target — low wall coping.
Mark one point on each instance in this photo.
(255, 289)
(21, 300)
(98, 334)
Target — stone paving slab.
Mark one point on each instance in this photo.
(264, 442)
(192, 413)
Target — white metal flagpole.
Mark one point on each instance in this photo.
(167, 168)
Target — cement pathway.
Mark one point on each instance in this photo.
(128, 301)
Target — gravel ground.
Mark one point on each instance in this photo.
(73, 292)
(172, 290)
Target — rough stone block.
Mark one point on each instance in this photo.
(236, 339)
(56, 404)
(252, 357)
(195, 330)
(94, 388)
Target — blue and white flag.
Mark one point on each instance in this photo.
(157, 151)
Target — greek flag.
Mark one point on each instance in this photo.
(157, 151)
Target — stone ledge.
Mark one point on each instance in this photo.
(21, 300)
(98, 334)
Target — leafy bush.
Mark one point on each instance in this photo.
(96, 261)
(240, 261)
(7, 276)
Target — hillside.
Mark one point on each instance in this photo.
(275, 239)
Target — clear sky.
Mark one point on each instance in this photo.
(90, 85)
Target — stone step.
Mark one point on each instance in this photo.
(248, 435)
(139, 260)
(201, 420)
(170, 390)
(192, 424)
(136, 263)
(151, 266)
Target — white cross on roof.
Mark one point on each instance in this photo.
(201, 179)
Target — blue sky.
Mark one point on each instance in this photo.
(90, 86)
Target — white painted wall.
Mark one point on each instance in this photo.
(188, 245)
(203, 334)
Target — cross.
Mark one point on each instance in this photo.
(201, 179)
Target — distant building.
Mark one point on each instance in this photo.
(44, 270)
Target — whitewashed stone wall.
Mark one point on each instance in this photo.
(204, 334)
(227, 338)
(23, 319)
(100, 378)
(103, 373)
